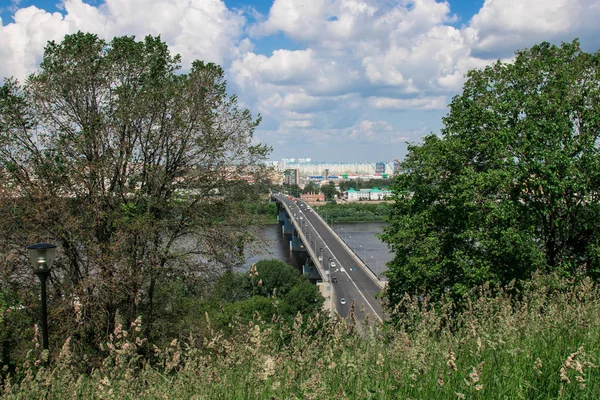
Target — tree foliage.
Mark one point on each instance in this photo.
(311, 188)
(511, 185)
(329, 190)
(133, 167)
(344, 185)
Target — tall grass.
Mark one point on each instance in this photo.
(546, 345)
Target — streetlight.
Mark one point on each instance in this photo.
(41, 256)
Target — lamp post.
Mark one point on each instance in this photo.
(41, 256)
(330, 291)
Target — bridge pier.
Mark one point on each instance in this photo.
(296, 243)
(310, 270)
(287, 227)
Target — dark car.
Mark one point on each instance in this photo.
(334, 279)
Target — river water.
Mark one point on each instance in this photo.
(360, 236)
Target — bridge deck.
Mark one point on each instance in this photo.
(352, 279)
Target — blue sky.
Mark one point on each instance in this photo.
(334, 80)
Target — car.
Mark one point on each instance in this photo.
(342, 301)
(334, 279)
(332, 264)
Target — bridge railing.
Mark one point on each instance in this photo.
(306, 242)
(360, 262)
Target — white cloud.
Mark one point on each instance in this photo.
(355, 67)
(197, 29)
(427, 103)
(503, 26)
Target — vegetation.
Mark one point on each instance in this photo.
(264, 210)
(311, 188)
(140, 173)
(511, 186)
(136, 170)
(329, 190)
(272, 288)
(354, 212)
(543, 346)
(364, 184)
(292, 190)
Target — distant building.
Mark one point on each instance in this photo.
(306, 167)
(380, 168)
(368, 194)
(291, 176)
(313, 197)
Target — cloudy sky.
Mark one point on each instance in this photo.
(335, 80)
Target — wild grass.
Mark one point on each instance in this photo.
(545, 345)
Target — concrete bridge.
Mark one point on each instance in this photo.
(345, 276)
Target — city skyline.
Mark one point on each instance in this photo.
(332, 79)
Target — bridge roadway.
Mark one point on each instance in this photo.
(352, 279)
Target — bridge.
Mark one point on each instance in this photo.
(346, 275)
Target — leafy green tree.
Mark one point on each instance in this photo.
(131, 166)
(292, 190)
(329, 190)
(310, 187)
(363, 184)
(511, 186)
(303, 298)
(275, 275)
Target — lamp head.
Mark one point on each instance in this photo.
(41, 256)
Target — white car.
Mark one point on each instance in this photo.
(342, 301)
(332, 264)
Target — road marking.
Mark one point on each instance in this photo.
(349, 277)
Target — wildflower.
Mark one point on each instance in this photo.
(563, 375)
(460, 395)
(118, 331)
(268, 369)
(440, 380)
(478, 387)
(65, 353)
(474, 375)
(451, 361)
(253, 271)
(537, 366)
(380, 359)
(260, 283)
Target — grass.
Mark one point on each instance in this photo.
(544, 346)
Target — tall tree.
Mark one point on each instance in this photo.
(329, 190)
(511, 186)
(311, 188)
(130, 165)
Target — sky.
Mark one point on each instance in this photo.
(334, 80)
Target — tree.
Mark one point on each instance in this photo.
(276, 275)
(511, 186)
(292, 189)
(131, 166)
(329, 190)
(310, 187)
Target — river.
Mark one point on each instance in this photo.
(360, 236)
